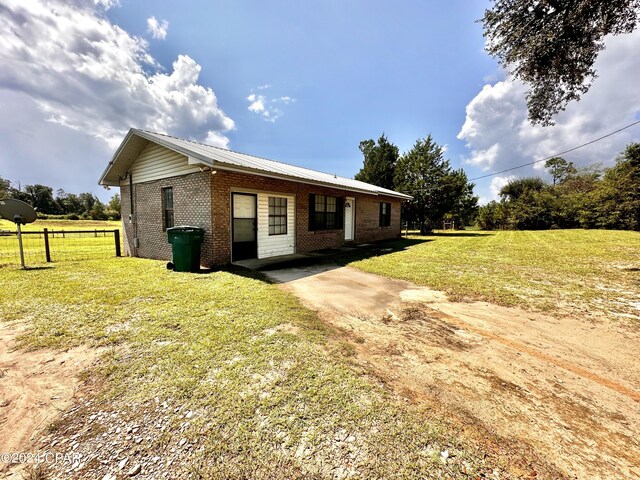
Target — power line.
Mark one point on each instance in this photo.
(557, 154)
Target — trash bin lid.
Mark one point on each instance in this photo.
(185, 228)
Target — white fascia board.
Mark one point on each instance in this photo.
(113, 159)
(191, 160)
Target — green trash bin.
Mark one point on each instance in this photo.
(185, 244)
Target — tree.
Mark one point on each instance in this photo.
(617, 201)
(513, 190)
(69, 203)
(114, 207)
(97, 211)
(560, 169)
(552, 45)
(87, 201)
(528, 204)
(5, 188)
(424, 173)
(462, 204)
(41, 198)
(16, 191)
(493, 216)
(576, 199)
(379, 162)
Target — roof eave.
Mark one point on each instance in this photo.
(113, 160)
(280, 176)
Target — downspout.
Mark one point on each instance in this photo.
(132, 215)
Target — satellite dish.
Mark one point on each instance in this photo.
(17, 211)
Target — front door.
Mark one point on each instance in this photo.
(349, 218)
(243, 226)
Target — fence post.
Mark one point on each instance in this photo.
(47, 252)
(116, 239)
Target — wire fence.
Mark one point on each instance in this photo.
(413, 228)
(46, 246)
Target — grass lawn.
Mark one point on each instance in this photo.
(583, 272)
(62, 247)
(227, 373)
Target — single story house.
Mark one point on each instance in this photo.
(248, 206)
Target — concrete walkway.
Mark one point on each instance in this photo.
(300, 259)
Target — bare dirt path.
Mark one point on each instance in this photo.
(35, 386)
(568, 388)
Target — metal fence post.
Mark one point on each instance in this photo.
(47, 252)
(116, 239)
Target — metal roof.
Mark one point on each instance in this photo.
(216, 157)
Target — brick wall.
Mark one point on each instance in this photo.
(367, 213)
(204, 200)
(368, 218)
(191, 205)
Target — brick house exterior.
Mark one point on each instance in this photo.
(203, 195)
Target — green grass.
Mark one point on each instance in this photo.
(264, 376)
(582, 272)
(62, 247)
(276, 393)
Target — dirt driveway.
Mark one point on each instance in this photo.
(568, 388)
(35, 386)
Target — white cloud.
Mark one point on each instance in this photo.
(499, 135)
(266, 107)
(107, 4)
(157, 29)
(496, 185)
(257, 103)
(91, 76)
(485, 158)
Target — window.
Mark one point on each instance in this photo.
(167, 207)
(325, 212)
(277, 216)
(385, 214)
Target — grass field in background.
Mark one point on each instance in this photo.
(584, 272)
(62, 247)
(64, 225)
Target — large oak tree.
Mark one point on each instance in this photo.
(552, 45)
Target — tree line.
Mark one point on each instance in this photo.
(439, 192)
(64, 205)
(590, 197)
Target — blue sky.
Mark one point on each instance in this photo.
(299, 82)
(355, 69)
